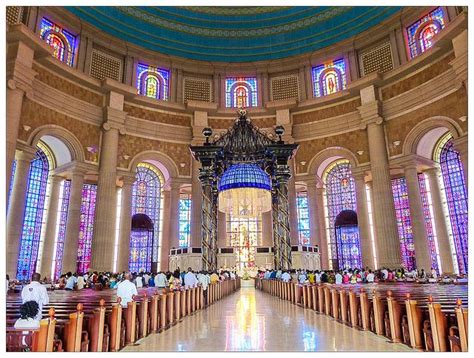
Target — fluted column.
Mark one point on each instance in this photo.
(321, 227)
(125, 223)
(363, 220)
(16, 209)
(383, 206)
(71, 239)
(50, 232)
(439, 218)
(417, 217)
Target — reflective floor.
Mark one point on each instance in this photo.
(250, 320)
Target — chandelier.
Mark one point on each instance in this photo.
(245, 191)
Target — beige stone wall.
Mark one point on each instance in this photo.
(332, 111)
(224, 123)
(157, 116)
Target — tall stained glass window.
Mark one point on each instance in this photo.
(425, 194)
(329, 78)
(340, 195)
(12, 178)
(303, 217)
(62, 41)
(420, 34)
(184, 220)
(35, 206)
(86, 227)
(244, 234)
(153, 82)
(64, 192)
(454, 188)
(241, 92)
(405, 232)
(147, 199)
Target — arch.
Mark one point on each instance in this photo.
(160, 90)
(417, 133)
(318, 164)
(322, 80)
(419, 40)
(73, 144)
(67, 53)
(162, 161)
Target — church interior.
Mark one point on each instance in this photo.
(262, 178)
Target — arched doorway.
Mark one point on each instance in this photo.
(347, 241)
(141, 243)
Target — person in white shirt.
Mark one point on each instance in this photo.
(285, 277)
(71, 281)
(126, 290)
(146, 278)
(139, 281)
(190, 279)
(370, 277)
(80, 282)
(28, 312)
(204, 280)
(302, 277)
(338, 278)
(317, 277)
(35, 291)
(385, 273)
(160, 280)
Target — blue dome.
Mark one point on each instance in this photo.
(245, 175)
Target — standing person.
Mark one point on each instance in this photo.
(126, 290)
(204, 281)
(71, 281)
(190, 279)
(160, 280)
(139, 281)
(35, 291)
(81, 282)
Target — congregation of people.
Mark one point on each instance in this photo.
(365, 275)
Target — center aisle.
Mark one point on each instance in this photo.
(250, 320)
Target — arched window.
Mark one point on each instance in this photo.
(244, 235)
(63, 207)
(147, 199)
(303, 217)
(152, 81)
(454, 191)
(329, 78)
(339, 196)
(184, 220)
(420, 34)
(61, 40)
(240, 92)
(37, 194)
(86, 227)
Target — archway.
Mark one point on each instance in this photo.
(347, 241)
(141, 243)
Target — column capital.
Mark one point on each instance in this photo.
(25, 154)
(461, 144)
(128, 179)
(370, 113)
(114, 119)
(413, 161)
(432, 171)
(56, 179)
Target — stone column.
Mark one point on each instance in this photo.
(302, 84)
(267, 230)
(439, 218)
(165, 239)
(104, 225)
(363, 220)
(384, 210)
(321, 227)
(50, 232)
(71, 239)
(125, 223)
(174, 215)
(417, 217)
(266, 89)
(313, 214)
(16, 209)
(196, 197)
(292, 206)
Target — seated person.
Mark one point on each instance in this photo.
(28, 313)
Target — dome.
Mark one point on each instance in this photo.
(233, 34)
(244, 175)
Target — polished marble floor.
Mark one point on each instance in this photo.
(250, 320)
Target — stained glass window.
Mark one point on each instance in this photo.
(420, 34)
(147, 199)
(340, 195)
(329, 78)
(62, 41)
(244, 234)
(454, 188)
(405, 232)
(240, 92)
(429, 221)
(63, 206)
(303, 217)
(86, 227)
(152, 81)
(35, 205)
(184, 220)
(12, 178)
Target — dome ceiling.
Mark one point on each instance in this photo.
(233, 34)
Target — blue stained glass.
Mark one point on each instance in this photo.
(33, 216)
(184, 220)
(303, 217)
(405, 232)
(455, 190)
(340, 195)
(62, 41)
(152, 81)
(61, 235)
(241, 92)
(12, 178)
(244, 175)
(146, 199)
(421, 32)
(329, 78)
(348, 247)
(86, 228)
